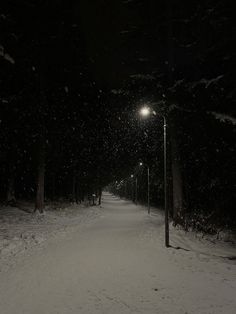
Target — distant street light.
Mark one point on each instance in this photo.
(148, 186)
(135, 198)
(145, 112)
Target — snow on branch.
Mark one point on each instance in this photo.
(128, 1)
(147, 77)
(224, 117)
(119, 92)
(176, 85)
(5, 55)
(207, 82)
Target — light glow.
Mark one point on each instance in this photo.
(145, 111)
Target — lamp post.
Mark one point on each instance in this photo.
(167, 240)
(148, 186)
(135, 196)
(132, 186)
(148, 192)
(145, 112)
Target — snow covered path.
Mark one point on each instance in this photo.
(118, 264)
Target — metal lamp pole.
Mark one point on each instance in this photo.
(148, 189)
(145, 112)
(132, 186)
(167, 244)
(148, 186)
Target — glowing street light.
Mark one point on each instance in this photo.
(145, 112)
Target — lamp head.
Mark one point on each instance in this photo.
(145, 111)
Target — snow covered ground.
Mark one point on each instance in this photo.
(21, 230)
(113, 260)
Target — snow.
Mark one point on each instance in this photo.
(143, 59)
(119, 92)
(224, 117)
(147, 77)
(117, 263)
(21, 230)
(128, 1)
(126, 32)
(207, 82)
(6, 56)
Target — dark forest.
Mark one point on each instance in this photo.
(73, 77)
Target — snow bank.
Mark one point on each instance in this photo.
(221, 246)
(21, 229)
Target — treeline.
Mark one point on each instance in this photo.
(56, 119)
(200, 169)
(187, 65)
(54, 138)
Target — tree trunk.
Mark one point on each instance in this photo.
(77, 193)
(100, 196)
(177, 181)
(39, 203)
(93, 199)
(11, 199)
(53, 186)
(74, 188)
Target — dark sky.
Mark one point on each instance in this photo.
(108, 27)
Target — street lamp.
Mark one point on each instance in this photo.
(136, 189)
(148, 186)
(145, 112)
